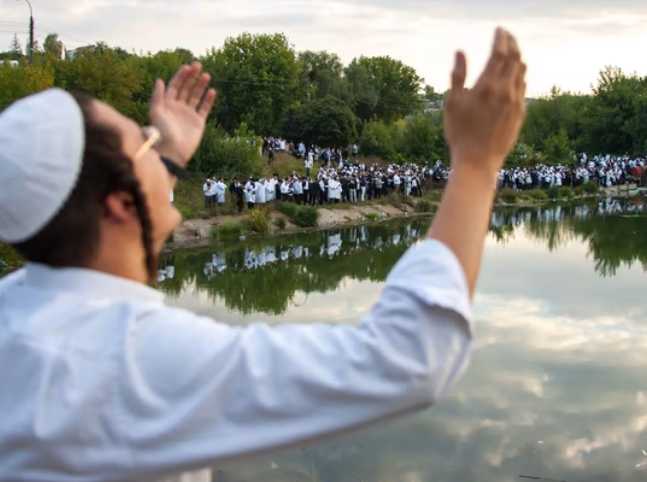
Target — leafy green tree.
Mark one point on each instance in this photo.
(221, 155)
(419, 140)
(322, 73)
(18, 82)
(324, 122)
(258, 78)
(384, 87)
(104, 75)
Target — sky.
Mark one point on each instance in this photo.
(565, 43)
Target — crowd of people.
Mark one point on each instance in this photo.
(345, 182)
(604, 170)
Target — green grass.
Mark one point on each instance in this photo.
(372, 216)
(508, 195)
(301, 215)
(9, 257)
(424, 206)
(227, 230)
(258, 221)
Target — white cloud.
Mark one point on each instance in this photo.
(565, 43)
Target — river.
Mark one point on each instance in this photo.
(557, 386)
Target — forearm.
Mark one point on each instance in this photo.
(462, 219)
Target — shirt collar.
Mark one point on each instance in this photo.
(88, 284)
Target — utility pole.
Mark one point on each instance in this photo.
(31, 33)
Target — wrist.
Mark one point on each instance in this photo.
(474, 170)
(172, 155)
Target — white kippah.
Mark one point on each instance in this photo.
(42, 140)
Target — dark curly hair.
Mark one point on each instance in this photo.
(71, 239)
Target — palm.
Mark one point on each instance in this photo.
(180, 112)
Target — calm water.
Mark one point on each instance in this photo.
(557, 387)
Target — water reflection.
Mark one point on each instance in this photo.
(556, 388)
(265, 276)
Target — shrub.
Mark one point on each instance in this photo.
(372, 216)
(424, 206)
(258, 221)
(509, 195)
(553, 193)
(227, 230)
(302, 216)
(591, 187)
(578, 190)
(566, 192)
(537, 195)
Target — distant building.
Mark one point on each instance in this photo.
(433, 106)
(13, 63)
(74, 53)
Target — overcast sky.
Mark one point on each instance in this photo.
(565, 42)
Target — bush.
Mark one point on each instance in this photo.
(424, 206)
(553, 193)
(302, 216)
(258, 221)
(537, 195)
(222, 155)
(227, 230)
(509, 195)
(591, 187)
(372, 216)
(578, 190)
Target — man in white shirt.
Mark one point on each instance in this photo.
(102, 381)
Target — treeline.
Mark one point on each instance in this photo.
(266, 87)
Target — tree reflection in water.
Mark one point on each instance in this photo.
(265, 275)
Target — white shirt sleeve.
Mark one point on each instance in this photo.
(194, 391)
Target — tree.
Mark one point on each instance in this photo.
(16, 83)
(322, 73)
(557, 148)
(101, 73)
(431, 95)
(258, 78)
(422, 139)
(396, 85)
(53, 48)
(325, 122)
(16, 51)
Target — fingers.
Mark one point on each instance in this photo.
(181, 85)
(177, 82)
(157, 99)
(520, 81)
(207, 103)
(199, 89)
(498, 57)
(512, 63)
(460, 73)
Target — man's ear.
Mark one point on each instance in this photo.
(120, 207)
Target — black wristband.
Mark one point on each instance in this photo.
(174, 169)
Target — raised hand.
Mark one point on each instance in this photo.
(180, 112)
(483, 124)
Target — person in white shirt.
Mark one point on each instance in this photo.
(259, 190)
(102, 381)
(221, 189)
